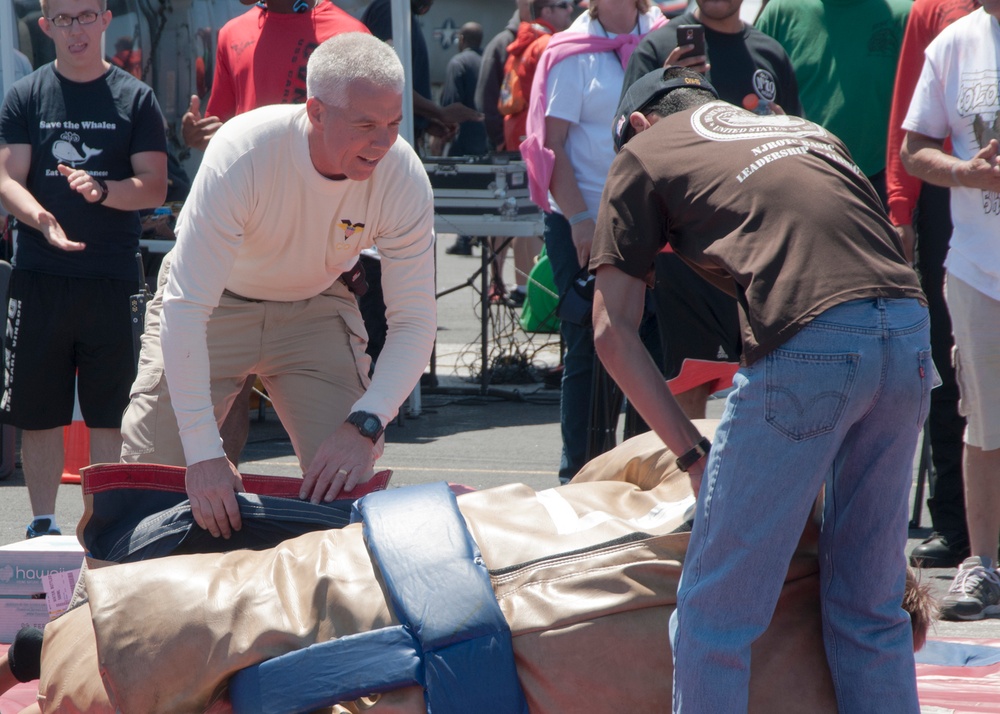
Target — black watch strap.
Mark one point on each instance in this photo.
(694, 454)
(104, 189)
(367, 423)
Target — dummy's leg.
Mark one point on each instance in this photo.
(22, 661)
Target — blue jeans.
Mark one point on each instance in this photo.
(578, 358)
(840, 404)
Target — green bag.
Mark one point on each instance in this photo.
(539, 311)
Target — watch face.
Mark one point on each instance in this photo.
(370, 426)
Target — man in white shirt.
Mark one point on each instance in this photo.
(956, 98)
(285, 200)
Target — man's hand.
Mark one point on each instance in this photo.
(81, 182)
(457, 112)
(211, 487)
(196, 129)
(344, 459)
(443, 132)
(908, 237)
(982, 171)
(695, 473)
(698, 63)
(53, 232)
(583, 240)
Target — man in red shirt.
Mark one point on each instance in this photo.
(261, 59)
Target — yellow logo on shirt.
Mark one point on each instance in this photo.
(351, 228)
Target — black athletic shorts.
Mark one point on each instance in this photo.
(697, 321)
(58, 329)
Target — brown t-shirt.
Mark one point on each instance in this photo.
(769, 208)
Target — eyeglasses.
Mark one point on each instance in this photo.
(564, 5)
(84, 18)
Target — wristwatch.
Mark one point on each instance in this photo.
(104, 189)
(368, 424)
(694, 454)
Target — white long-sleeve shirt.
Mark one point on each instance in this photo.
(261, 222)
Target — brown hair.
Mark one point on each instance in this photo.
(45, 7)
(919, 602)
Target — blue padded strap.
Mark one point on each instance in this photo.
(957, 654)
(453, 640)
(440, 589)
(323, 674)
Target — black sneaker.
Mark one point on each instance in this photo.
(461, 246)
(974, 593)
(940, 551)
(517, 298)
(41, 527)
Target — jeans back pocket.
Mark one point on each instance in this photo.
(806, 393)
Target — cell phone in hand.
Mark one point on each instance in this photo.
(691, 35)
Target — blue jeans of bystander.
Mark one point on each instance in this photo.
(840, 404)
(578, 358)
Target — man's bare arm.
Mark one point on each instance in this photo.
(618, 305)
(924, 157)
(15, 162)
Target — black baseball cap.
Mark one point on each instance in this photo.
(647, 88)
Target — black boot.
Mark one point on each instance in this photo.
(461, 246)
(940, 551)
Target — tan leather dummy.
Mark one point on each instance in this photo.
(585, 574)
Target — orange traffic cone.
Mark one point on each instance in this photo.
(76, 446)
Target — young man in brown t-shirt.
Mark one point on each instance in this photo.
(833, 389)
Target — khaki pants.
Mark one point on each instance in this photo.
(309, 354)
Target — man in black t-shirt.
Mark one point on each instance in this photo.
(699, 330)
(82, 150)
(740, 61)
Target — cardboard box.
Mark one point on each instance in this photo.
(22, 568)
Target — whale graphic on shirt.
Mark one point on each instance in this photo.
(67, 153)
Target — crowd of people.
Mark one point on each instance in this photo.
(771, 197)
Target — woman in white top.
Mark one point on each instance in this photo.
(581, 97)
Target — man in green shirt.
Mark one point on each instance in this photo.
(844, 53)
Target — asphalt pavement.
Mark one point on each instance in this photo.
(458, 428)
